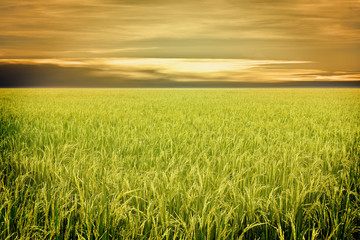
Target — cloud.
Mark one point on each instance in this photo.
(187, 40)
(166, 72)
(69, 24)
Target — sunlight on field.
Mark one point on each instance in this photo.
(180, 163)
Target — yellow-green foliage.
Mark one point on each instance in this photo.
(180, 163)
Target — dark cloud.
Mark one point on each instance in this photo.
(48, 75)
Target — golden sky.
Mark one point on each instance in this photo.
(212, 40)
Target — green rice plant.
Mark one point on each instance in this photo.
(179, 163)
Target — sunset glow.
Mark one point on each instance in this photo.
(236, 41)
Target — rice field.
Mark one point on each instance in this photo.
(179, 163)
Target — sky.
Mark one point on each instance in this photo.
(159, 43)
